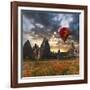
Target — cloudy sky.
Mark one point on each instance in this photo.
(39, 24)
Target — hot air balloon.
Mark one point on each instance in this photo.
(64, 32)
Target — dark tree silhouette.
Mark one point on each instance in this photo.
(45, 49)
(27, 50)
(58, 54)
(35, 51)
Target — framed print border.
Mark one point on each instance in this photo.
(15, 38)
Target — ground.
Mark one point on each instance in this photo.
(50, 67)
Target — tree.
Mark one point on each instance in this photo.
(58, 54)
(35, 51)
(27, 50)
(45, 49)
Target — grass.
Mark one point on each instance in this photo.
(50, 67)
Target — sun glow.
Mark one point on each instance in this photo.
(61, 49)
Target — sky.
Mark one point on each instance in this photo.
(37, 25)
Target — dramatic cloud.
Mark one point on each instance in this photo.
(27, 23)
(37, 25)
(64, 20)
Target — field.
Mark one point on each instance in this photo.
(50, 67)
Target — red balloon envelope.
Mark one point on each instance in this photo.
(64, 32)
